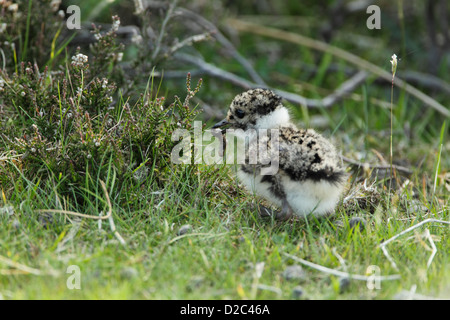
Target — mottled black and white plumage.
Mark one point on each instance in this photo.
(310, 178)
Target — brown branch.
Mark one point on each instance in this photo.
(426, 80)
(327, 102)
(344, 89)
(214, 31)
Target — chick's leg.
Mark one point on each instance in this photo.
(286, 211)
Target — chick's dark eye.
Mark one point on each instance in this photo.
(239, 113)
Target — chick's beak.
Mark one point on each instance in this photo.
(220, 124)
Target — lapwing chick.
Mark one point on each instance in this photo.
(309, 178)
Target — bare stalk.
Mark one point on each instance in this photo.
(391, 153)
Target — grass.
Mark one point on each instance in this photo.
(217, 258)
(227, 241)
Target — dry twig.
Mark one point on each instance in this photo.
(385, 243)
(100, 217)
(163, 29)
(327, 102)
(433, 247)
(340, 273)
(212, 29)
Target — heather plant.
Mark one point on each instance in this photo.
(78, 131)
(107, 53)
(74, 125)
(29, 31)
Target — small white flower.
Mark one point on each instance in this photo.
(54, 4)
(13, 7)
(119, 56)
(61, 14)
(33, 150)
(104, 83)
(394, 63)
(136, 39)
(115, 25)
(138, 6)
(22, 93)
(3, 27)
(97, 36)
(89, 156)
(79, 60)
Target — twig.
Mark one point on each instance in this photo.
(110, 218)
(172, 6)
(340, 53)
(340, 273)
(73, 213)
(212, 29)
(308, 86)
(345, 88)
(215, 71)
(372, 166)
(188, 42)
(426, 80)
(383, 244)
(341, 260)
(207, 235)
(99, 217)
(433, 247)
(5, 158)
(327, 102)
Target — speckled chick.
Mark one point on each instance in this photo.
(309, 179)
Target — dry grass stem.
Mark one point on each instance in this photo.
(20, 268)
(340, 273)
(385, 243)
(108, 216)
